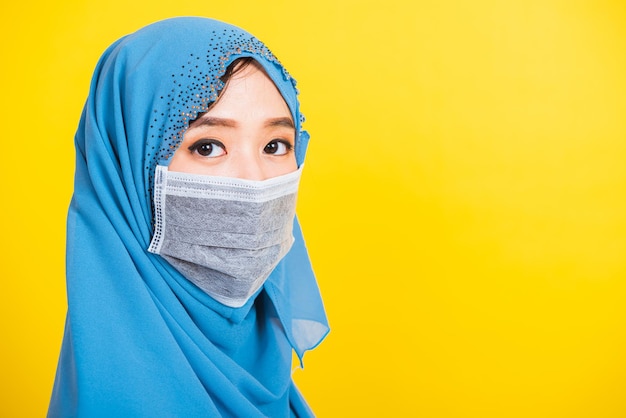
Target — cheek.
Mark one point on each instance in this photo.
(288, 165)
(293, 165)
(178, 161)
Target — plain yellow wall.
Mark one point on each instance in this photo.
(464, 198)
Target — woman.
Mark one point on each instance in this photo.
(188, 279)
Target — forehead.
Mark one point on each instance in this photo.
(250, 93)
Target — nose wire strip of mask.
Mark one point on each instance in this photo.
(225, 188)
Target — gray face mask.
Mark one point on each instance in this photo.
(225, 235)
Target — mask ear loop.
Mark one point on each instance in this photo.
(160, 185)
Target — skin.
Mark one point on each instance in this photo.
(247, 134)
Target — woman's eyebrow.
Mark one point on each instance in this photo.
(231, 123)
(213, 121)
(283, 122)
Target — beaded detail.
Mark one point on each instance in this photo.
(196, 86)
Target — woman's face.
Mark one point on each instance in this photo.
(248, 133)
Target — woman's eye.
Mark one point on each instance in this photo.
(278, 147)
(208, 148)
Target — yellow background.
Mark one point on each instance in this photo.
(464, 199)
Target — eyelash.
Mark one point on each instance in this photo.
(287, 144)
(197, 146)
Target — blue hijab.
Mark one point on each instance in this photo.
(140, 340)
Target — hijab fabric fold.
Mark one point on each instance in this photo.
(140, 340)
